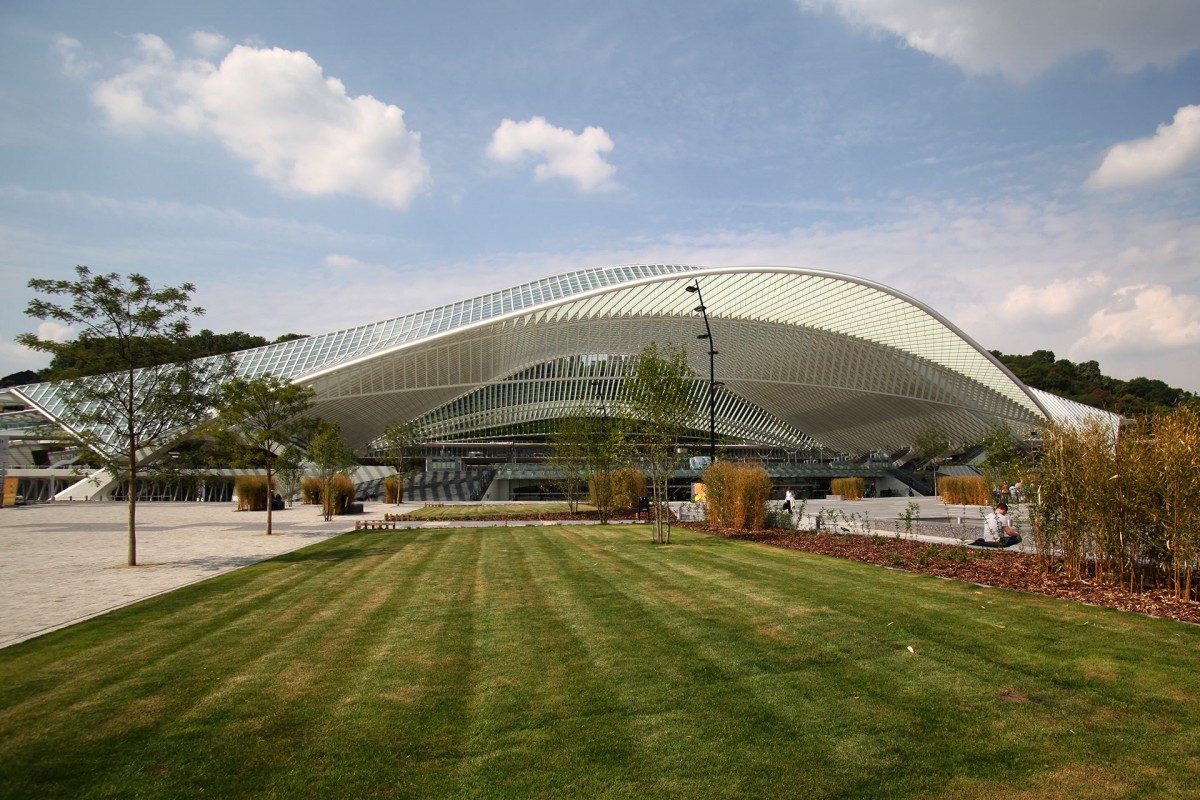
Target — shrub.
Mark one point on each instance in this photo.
(341, 494)
(627, 487)
(310, 491)
(1125, 508)
(848, 488)
(969, 490)
(737, 494)
(251, 492)
(393, 490)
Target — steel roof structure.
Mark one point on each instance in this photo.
(806, 357)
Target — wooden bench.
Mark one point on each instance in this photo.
(374, 525)
(435, 505)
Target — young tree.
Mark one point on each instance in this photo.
(657, 397)
(568, 456)
(401, 445)
(330, 455)
(605, 451)
(1004, 458)
(261, 416)
(930, 446)
(289, 467)
(142, 388)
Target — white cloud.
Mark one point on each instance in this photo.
(563, 154)
(275, 109)
(1022, 38)
(209, 44)
(339, 261)
(1144, 318)
(16, 357)
(1175, 147)
(74, 64)
(54, 332)
(1056, 299)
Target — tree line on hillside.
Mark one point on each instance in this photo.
(82, 357)
(1085, 383)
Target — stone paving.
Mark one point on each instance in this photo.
(61, 563)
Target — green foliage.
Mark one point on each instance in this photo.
(400, 445)
(930, 446)
(258, 417)
(1004, 458)
(657, 397)
(1085, 383)
(133, 384)
(85, 356)
(289, 468)
(1125, 509)
(586, 449)
(568, 456)
(330, 455)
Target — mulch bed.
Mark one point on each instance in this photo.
(999, 568)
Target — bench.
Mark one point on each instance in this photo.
(374, 525)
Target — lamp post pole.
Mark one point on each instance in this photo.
(712, 383)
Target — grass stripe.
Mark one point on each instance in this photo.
(585, 661)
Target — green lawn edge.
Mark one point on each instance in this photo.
(585, 661)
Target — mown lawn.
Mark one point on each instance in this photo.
(587, 662)
(497, 511)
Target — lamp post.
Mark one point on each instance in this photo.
(694, 288)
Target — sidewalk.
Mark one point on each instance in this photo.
(61, 563)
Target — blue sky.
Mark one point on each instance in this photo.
(1031, 168)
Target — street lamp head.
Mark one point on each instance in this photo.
(701, 309)
(702, 336)
(692, 288)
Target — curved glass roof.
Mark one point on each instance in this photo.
(850, 363)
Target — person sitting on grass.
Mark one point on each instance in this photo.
(998, 530)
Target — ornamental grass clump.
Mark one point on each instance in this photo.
(625, 486)
(968, 490)
(848, 488)
(737, 494)
(340, 494)
(310, 491)
(251, 491)
(1122, 508)
(393, 490)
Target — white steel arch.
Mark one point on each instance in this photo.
(805, 355)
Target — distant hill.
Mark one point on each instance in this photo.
(199, 345)
(1085, 383)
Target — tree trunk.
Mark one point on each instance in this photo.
(132, 489)
(270, 498)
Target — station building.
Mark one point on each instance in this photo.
(816, 373)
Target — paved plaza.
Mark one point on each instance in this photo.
(64, 562)
(61, 563)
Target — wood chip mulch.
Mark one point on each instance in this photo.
(1000, 568)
